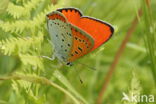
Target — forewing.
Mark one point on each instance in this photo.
(99, 30)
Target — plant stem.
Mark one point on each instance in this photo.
(150, 36)
(117, 57)
(41, 80)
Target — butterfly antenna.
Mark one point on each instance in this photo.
(79, 76)
(80, 80)
(89, 67)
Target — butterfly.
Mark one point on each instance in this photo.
(74, 35)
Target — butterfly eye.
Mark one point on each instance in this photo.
(69, 63)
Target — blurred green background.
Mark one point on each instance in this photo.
(27, 78)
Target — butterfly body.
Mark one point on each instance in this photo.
(73, 35)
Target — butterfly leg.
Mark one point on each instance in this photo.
(50, 43)
(53, 56)
(49, 58)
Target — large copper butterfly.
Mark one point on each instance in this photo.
(74, 35)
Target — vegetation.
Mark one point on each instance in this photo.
(125, 64)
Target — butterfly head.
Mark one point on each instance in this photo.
(69, 64)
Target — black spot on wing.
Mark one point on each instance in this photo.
(69, 45)
(76, 38)
(76, 52)
(80, 49)
(68, 34)
(62, 57)
(79, 40)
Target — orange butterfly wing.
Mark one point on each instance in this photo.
(100, 31)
